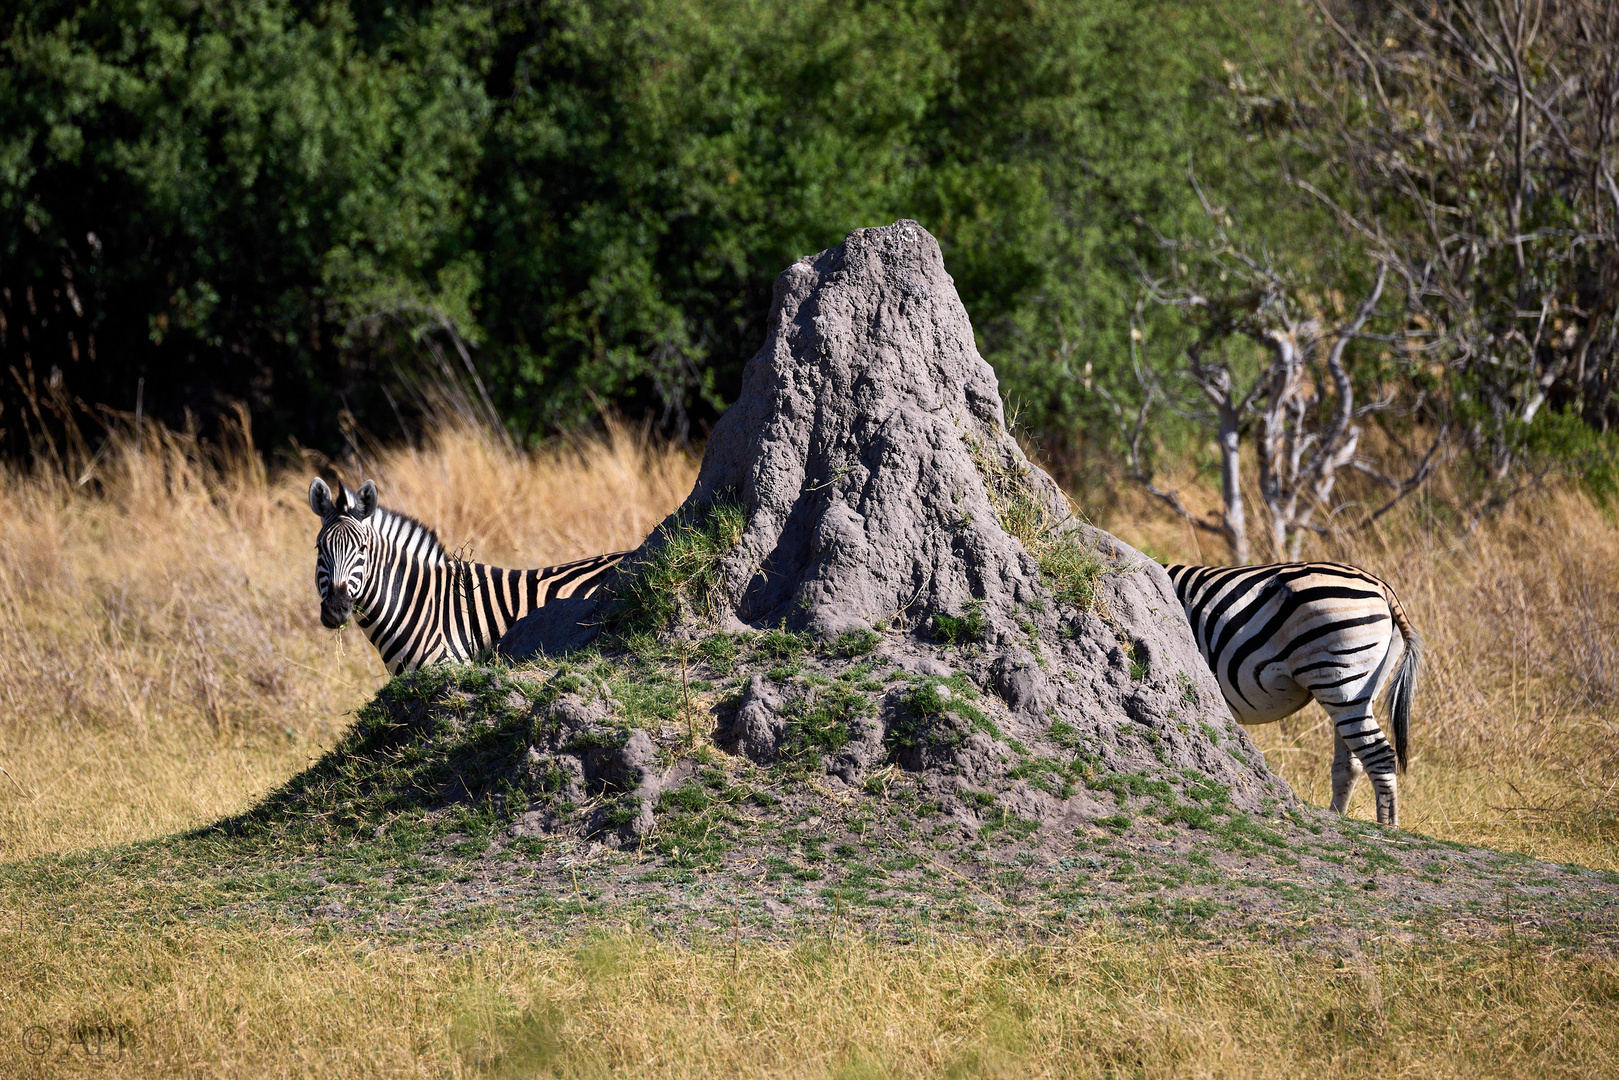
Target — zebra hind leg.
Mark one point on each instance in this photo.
(1346, 771)
(1361, 747)
(1388, 801)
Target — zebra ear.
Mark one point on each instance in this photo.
(320, 497)
(366, 501)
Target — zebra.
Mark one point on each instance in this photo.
(1276, 636)
(417, 604)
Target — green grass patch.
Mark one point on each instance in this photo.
(960, 630)
(923, 720)
(822, 724)
(1127, 785)
(1070, 563)
(781, 644)
(1244, 835)
(1190, 815)
(681, 576)
(691, 798)
(1001, 820)
(853, 643)
(443, 735)
(1072, 568)
(720, 651)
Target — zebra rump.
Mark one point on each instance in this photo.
(1277, 636)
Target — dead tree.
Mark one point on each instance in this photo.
(1300, 449)
(1472, 146)
(1294, 396)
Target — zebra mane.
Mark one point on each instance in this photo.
(407, 529)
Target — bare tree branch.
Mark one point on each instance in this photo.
(1418, 477)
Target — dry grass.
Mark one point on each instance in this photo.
(202, 1002)
(159, 633)
(164, 665)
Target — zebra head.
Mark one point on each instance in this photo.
(342, 546)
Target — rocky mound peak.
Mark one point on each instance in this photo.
(860, 448)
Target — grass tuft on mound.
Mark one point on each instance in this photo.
(1070, 563)
(960, 629)
(445, 735)
(682, 573)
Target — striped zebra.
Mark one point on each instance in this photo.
(1276, 636)
(416, 604)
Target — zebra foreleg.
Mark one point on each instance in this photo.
(1360, 748)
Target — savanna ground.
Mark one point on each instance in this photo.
(164, 667)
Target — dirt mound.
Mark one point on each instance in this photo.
(864, 486)
(563, 798)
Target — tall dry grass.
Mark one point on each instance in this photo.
(161, 657)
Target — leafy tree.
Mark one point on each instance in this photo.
(200, 194)
(541, 206)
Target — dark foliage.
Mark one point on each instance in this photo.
(357, 214)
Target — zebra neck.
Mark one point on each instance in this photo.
(419, 606)
(445, 609)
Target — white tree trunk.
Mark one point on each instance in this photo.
(1236, 523)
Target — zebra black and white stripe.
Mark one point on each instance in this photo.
(416, 604)
(1277, 636)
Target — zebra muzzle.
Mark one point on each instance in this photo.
(334, 615)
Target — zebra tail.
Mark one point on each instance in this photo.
(1405, 688)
